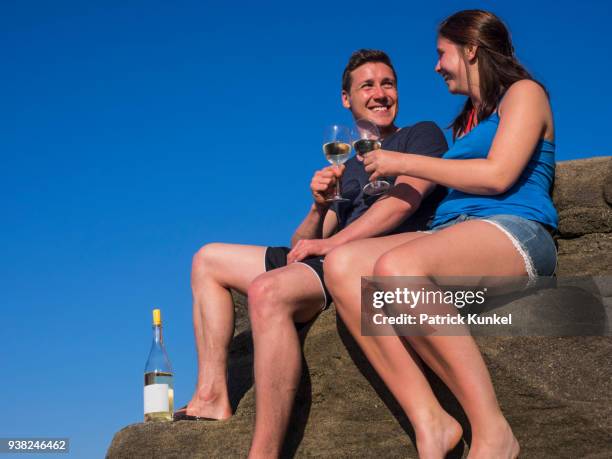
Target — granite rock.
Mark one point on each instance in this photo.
(580, 191)
(555, 391)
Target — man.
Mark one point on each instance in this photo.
(285, 285)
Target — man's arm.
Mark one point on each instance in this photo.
(405, 197)
(391, 210)
(387, 213)
(319, 223)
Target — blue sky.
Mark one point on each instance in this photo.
(131, 133)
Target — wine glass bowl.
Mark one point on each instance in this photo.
(367, 137)
(337, 149)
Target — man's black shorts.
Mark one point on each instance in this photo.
(276, 257)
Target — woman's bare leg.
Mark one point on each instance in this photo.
(399, 367)
(473, 248)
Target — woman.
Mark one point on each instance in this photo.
(495, 221)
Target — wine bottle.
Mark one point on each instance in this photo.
(158, 385)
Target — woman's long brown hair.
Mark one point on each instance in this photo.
(498, 67)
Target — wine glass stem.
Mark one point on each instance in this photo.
(337, 185)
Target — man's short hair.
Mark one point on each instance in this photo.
(360, 57)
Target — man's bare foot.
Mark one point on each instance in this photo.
(204, 404)
(439, 435)
(499, 442)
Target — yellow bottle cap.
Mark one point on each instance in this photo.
(156, 317)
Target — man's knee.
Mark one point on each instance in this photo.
(205, 257)
(265, 297)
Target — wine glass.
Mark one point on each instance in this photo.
(337, 149)
(368, 139)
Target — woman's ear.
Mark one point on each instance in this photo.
(470, 52)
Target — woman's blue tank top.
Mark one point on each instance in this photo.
(529, 197)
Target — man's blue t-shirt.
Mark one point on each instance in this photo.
(424, 138)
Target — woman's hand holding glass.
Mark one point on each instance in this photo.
(383, 163)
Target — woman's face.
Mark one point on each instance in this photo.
(451, 66)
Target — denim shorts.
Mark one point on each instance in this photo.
(531, 239)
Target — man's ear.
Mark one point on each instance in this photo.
(346, 100)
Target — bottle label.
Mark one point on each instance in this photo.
(156, 398)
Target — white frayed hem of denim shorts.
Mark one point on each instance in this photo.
(531, 272)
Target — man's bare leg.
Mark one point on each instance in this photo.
(277, 300)
(217, 268)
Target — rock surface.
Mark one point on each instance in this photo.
(556, 392)
(579, 194)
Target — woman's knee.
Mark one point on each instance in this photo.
(406, 264)
(338, 267)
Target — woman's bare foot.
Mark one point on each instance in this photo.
(437, 436)
(498, 442)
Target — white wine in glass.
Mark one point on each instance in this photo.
(337, 149)
(337, 152)
(364, 146)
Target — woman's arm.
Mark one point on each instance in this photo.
(524, 119)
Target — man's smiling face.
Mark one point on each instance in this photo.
(373, 94)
